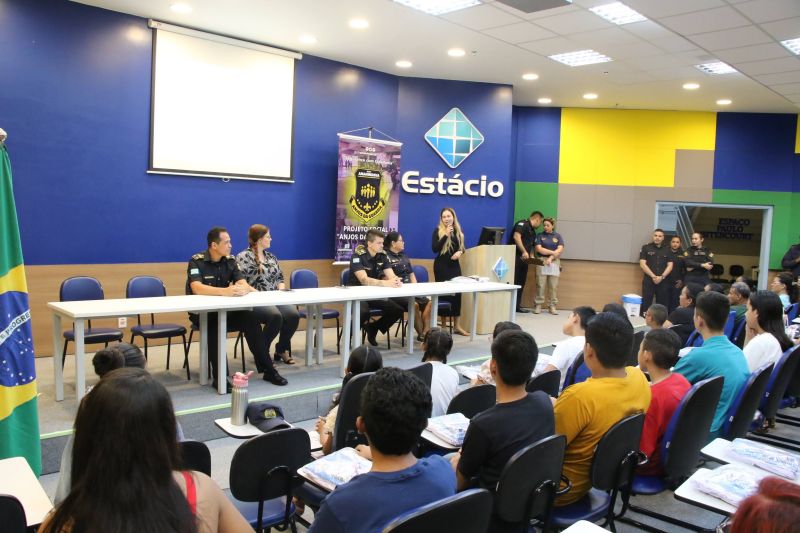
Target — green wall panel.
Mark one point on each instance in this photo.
(532, 196)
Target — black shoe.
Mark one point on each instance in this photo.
(522, 310)
(372, 331)
(228, 387)
(275, 378)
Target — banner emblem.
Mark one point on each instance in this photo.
(367, 201)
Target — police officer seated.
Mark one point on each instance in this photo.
(395, 246)
(214, 272)
(368, 266)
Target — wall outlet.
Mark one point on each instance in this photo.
(122, 322)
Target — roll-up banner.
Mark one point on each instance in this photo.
(368, 192)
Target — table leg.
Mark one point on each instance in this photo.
(203, 348)
(356, 325)
(80, 359)
(434, 309)
(309, 333)
(222, 353)
(319, 334)
(411, 308)
(346, 335)
(58, 367)
(474, 327)
(512, 311)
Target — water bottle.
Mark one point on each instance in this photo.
(239, 400)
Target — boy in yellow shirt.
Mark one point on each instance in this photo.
(586, 411)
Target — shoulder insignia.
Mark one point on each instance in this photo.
(685, 254)
(710, 254)
(360, 250)
(230, 257)
(520, 223)
(555, 239)
(198, 256)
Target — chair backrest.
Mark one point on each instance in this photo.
(345, 434)
(744, 406)
(717, 269)
(616, 455)
(735, 271)
(695, 340)
(424, 372)
(633, 357)
(782, 373)
(577, 372)
(687, 431)
(529, 481)
(303, 278)
(793, 311)
(145, 287)
(547, 382)
(473, 400)
(728, 330)
(196, 456)
(737, 337)
(265, 466)
(12, 514)
(80, 288)
(465, 512)
(344, 277)
(421, 273)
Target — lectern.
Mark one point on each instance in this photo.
(492, 307)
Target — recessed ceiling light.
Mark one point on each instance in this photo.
(181, 7)
(590, 96)
(358, 24)
(530, 76)
(580, 58)
(456, 52)
(724, 101)
(438, 7)
(691, 86)
(544, 100)
(793, 45)
(403, 64)
(718, 67)
(618, 13)
(307, 39)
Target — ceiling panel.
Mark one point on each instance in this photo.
(576, 22)
(783, 29)
(675, 43)
(648, 29)
(753, 53)
(519, 33)
(719, 40)
(777, 79)
(770, 66)
(769, 10)
(722, 18)
(665, 8)
(481, 17)
(556, 45)
(606, 37)
(787, 88)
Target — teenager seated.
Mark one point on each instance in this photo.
(436, 344)
(484, 374)
(518, 419)
(586, 411)
(766, 338)
(681, 320)
(395, 406)
(567, 350)
(657, 354)
(716, 357)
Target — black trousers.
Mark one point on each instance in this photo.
(674, 296)
(520, 275)
(246, 322)
(650, 290)
(391, 312)
(277, 319)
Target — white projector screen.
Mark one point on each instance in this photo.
(220, 107)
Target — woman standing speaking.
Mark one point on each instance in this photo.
(448, 245)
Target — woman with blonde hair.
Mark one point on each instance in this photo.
(448, 245)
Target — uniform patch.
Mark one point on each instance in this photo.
(521, 224)
(356, 260)
(555, 240)
(194, 271)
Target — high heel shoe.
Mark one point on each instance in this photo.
(284, 358)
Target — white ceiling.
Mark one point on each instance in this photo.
(652, 59)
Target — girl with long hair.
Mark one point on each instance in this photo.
(448, 245)
(766, 337)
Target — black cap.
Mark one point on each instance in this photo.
(266, 416)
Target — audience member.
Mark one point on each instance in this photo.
(395, 406)
(394, 245)
(518, 419)
(782, 286)
(766, 338)
(617, 309)
(484, 374)
(714, 287)
(681, 320)
(444, 382)
(585, 411)
(655, 316)
(775, 508)
(659, 353)
(365, 358)
(738, 295)
(568, 350)
(126, 467)
(717, 356)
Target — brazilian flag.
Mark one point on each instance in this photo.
(19, 419)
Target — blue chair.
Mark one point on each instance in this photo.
(686, 434)
(737, 337)
(577, 372)
(695, 340)
(445, 309)
(728, 330)
(792, 311)
(465, 512)
(615, 460)
(80, 288)
(743, 409)
(782, 374)
(152, 287)
(344, 277)
(307, 279)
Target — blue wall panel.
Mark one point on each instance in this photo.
(754, 151)
(538, 141)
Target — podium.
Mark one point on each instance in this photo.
(492, 307)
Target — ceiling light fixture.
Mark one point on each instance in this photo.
(590, 96)
(307, 39)
(618, 13)
(544, 100)
(456, 52)
(438, 7)
(530, 76)
(724, 101)
(580, 58)
(181, 7)
(691, 86)
(403, 64)
(358, 24)
(793, 45)
(717, 67)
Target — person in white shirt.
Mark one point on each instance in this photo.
(568, 350)
(444, 383)
(766, 338)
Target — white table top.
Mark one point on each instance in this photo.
(17, 479)
(433, 439)
(248, 430)
(688, 493)
(582, 526)
(720, 450)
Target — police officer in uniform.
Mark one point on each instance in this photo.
(791, 260)
(368, 265)
(523, 237)
(214, 272)
(675, 278)
(656, 262)
(698, 260)
(394, 246)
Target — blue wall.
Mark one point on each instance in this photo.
(76, 104)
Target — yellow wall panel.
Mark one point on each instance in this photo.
(629, 147)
